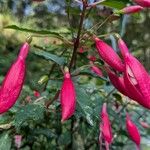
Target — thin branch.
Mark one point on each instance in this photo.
(77, 41)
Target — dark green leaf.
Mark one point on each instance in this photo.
(43, 32)
(84, 105)
(29, 112)
(49, 56)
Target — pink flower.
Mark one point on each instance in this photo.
(105, 125)
(109, 55)
(133, 131)
(67, 97)
(131, 9)
(13, 82)
(97, 70)
(143, 3)
(137, 80)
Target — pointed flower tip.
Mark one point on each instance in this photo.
(131, 9)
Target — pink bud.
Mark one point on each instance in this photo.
(143, 3)
(67, 97)
(105, 125)
(18, 139)
(97, 70)
(109, 55)
(131, 9)
(133, 131)
(36, 94)
(123, 47)
(13, 82)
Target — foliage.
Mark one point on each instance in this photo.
(54, 25)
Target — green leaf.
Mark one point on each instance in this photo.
(115, 3)
(84, 104)
(5, 142)
(45, 131)
(29, 112)
(49, 56)
(43, 32)
(65, 138)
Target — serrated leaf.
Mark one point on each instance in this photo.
(84, 105)
(29, 112)
(43, 32)
(49, 56)
(5, 142)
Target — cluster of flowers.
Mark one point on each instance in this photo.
(106, 131)
(128, 76)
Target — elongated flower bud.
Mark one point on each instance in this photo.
(109, 55)
(131, 9)
(13, 82)
(97, 70)
(105, 126)
(67, 97)
(133, 131)
(123, 47)
(142, 87)
(143, 3)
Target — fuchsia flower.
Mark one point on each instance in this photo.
(135, 81)
(133, 131)
(139, 82)
(105, 126)
(143, 3)
(109, 55)
(67, 97)
(97, 70)
(13, 82)
(131, 9)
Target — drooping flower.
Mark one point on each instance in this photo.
(137, 80)
(109, 55)
(143, 3)
(123, 47)
(67, 96)
(105, 126)
(131, 9)
(13, 81)
(133, 131)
